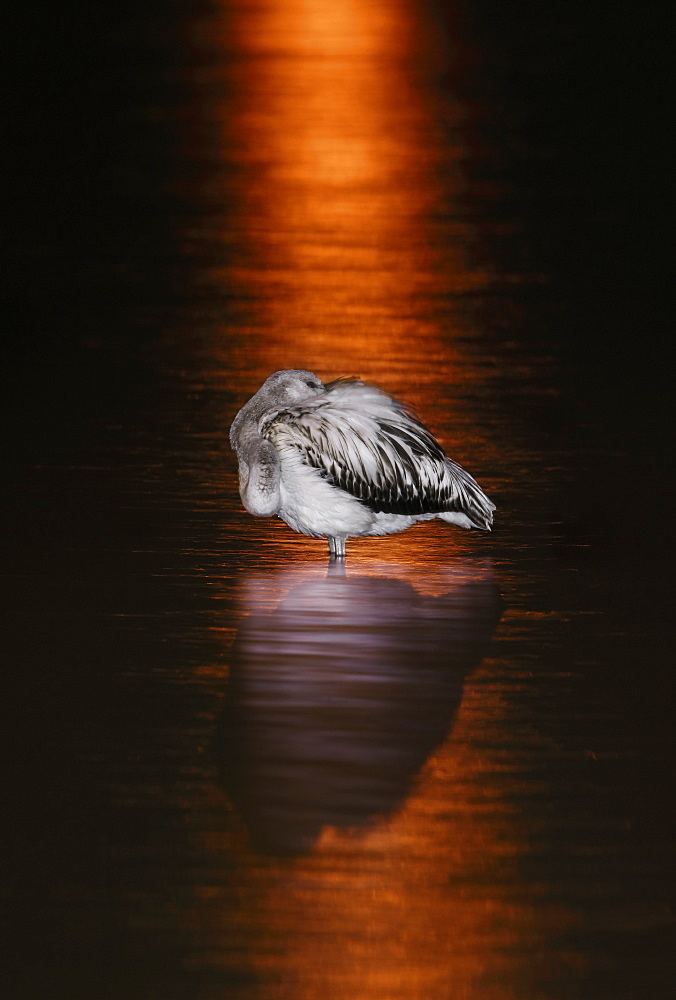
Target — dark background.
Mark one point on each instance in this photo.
(575, 126)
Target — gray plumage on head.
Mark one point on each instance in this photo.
(280, 389)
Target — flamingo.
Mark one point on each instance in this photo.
(345, 459)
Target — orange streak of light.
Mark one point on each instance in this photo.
(342, 188)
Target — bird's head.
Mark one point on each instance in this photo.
(290, 386)
(279, 390)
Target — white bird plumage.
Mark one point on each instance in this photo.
(345, 459)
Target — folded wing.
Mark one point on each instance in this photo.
(368, 444)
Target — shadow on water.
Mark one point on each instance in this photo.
(339, 693)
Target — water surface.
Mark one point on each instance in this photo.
(236, 770)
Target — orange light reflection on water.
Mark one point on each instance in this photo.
(399, 878)
(345, 244)
(344, 186)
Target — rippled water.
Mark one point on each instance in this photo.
(234, 769)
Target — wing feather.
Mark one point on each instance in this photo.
(371, 446)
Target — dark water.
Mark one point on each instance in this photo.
(441, 771)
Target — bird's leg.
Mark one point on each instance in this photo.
(337, 546)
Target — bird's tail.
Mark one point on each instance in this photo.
(471, 499)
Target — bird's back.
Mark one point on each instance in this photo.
(371, 446)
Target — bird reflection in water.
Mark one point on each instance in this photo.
(339, 693)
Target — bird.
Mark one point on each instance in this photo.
(345, 459)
